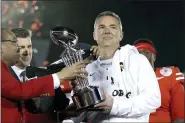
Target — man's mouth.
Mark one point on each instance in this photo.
(25, 54)
(107, 38)
(26, 58)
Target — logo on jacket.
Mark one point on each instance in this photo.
(91, 74)
(121, 93)
(121, 66)
(166, 71)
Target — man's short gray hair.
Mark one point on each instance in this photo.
(108, 13)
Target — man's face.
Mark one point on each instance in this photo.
(107, 32)
(25, 50)
(10, 52)
(149, 55)
(10, 49)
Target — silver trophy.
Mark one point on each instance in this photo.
(85, 96)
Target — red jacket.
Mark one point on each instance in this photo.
(12, 91)
(172, 95)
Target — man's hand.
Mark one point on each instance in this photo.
(75, 70)
(106, 104)
(96, 51)
(74, 85)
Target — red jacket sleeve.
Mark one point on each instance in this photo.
(13, 89)
(65, 86)
(177, 97)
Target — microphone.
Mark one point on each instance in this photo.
(32, 71)
(86, 52)
(56, 65)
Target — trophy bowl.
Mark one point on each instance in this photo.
(63, 36)
(87, 97)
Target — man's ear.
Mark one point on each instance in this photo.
(94, 37)
(121, 36)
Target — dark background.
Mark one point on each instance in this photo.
(162, 21)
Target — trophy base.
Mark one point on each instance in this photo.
(87, 97)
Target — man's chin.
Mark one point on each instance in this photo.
(106, 45)
(26, 63)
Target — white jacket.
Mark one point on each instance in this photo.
(131, 81)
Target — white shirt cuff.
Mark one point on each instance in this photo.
(56, 81)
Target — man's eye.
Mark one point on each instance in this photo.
(21, 47)
(113, 27)
(101, 27)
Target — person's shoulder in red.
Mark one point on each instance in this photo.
(171, 82)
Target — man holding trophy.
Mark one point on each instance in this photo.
(121, 85)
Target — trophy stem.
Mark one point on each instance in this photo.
(80, 81)
(85, 80)
(80, 57)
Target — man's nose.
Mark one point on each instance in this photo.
(107, 30)
(25, 52)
